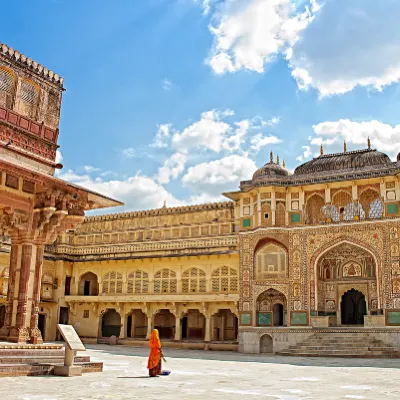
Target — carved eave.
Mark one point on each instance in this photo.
(87, 199)
(235, 196)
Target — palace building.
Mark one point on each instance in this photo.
(289, 255)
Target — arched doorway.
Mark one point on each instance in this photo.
(271, 308)
(193, 325)
(164, 321)
(266, 344)
(88, 285)
(353, 308)
(136, 325)
(224, 326)
(341, 268)
(111, 324)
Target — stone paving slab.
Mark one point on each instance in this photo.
(214, 375)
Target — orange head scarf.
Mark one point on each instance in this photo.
(155, 350)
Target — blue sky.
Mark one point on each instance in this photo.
(179, 100)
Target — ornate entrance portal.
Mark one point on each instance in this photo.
(347, 284)
(353, 308)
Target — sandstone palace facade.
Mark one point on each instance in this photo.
(286, 255)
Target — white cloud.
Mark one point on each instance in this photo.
(258, 141)
(59, 157)
(363, 52)
(137, 192)
(384, 137)
(248, 34)
(307, 153)
(167, 85)
(211, 132)
(129, 152)
(172, 168)
(162, 136)
(90, 168)
(212, 178)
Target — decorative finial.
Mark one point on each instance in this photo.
(277, 159)
(345, 147)
(284, 164)
(369, 143)
(165, 204)
(321, 150)
(271, 157)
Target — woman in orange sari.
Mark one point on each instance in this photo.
(154, 363)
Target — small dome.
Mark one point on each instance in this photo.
(270, 170)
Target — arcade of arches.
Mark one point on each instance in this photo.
(191, 325)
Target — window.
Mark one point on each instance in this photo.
(138, 282)
(67, 290)
(7, 87)
(266, 215)
(112, 283)
(165, 281)
(29, 98)
(194, 281)
(224, 279)
(270, 261)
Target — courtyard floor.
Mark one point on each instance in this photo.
(214, 375)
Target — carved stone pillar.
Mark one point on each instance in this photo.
(5, 330)
(207, 334)
(149, 325)
(178, 328)
(23, 295)
(36, 336)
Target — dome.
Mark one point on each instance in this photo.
(270, 170)
(342, 161)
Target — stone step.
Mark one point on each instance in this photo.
(339, 355)
(342, 341)
(349, 351)
(43, 369)
(42, 359)
(332, 347)
(34, 352)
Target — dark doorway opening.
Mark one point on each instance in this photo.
(42, 324)
(67, 290)
(184, 327)
(2, 315)
(129, 326)
(278, 314)
(86, 290)
(353, 308)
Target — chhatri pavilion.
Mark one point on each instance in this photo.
(288, 256)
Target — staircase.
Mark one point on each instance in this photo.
(28, 360)
(342, 344)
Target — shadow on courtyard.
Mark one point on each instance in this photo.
(229, 356)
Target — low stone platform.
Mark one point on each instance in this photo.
(183, 344)
(39, 359)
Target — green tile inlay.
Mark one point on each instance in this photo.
(295, 217)
(393, 209)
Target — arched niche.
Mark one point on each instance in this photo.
(270, 261)
(88, 285)
(111, 323)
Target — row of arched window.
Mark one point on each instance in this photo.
(343, 208)
(223, 279)
(28, 98)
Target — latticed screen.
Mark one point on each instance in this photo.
(165, 281)
(270, 261)
(314, 212)
(194, 281)
(224, 279)
(52, 111)
(112, 283)
(7, 87)
(29, 99)
(280, 214)
(138, 282)
(371, 203)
